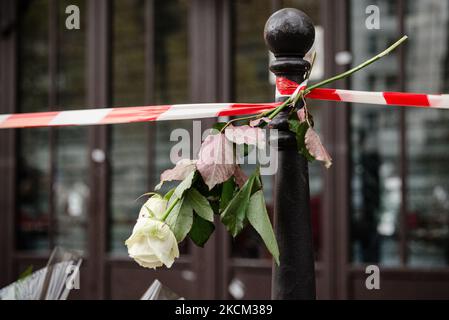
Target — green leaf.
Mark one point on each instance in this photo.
(169, 194)
(180, 219)
(257, 184)
(258, 218)
(227, 192)
(184, 185)
(233, 217)
(300, 129)
(219, 125)
(28, 271)
(200, 204)
(201, 230)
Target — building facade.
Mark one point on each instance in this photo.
(384, 202)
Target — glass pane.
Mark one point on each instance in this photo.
(129, 142)
(71, 188)
(251, 73)
(376, 184)
(427, 64)
(172, 73)
(33, 148)
(70, 185)
(140, 152)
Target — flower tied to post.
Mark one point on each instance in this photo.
(215, 184)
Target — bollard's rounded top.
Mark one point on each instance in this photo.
(288, 32)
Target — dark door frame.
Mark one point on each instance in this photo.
(8, 98)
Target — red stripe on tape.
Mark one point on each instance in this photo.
(134, 114)
(324, 94)
(238, 109)
(285, 86)
(406, 99)
(28, 120)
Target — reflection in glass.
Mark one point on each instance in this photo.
(71, 189)
(70, 185)
(32, 190)
(427, 65)
(376, 184)
(129, 142)
(251, 56)
(33, 148)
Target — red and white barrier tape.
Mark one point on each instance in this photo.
(130, 114)
(284, 87)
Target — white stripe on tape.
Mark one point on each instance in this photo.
(440, 101)
(191, 111)
(80, 117)
(361, 96)
(3, 117)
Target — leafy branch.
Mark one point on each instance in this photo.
(215, 185)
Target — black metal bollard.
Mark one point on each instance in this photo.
(289, 34)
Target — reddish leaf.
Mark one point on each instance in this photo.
(246, 134)
(216, 160)
(240, 177)
(316, 148)
(182, 169)
(301, 115)
(255, 123)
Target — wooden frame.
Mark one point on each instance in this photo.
(8, 101)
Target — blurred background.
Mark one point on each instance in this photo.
(385, 201)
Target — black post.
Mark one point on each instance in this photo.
(289, 34)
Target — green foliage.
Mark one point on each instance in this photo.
(200, 204)
(258, 217)
(180, 219)
(201, 230)
(219, 125)
(169, 194)
(184, 185)
(233, 217)
(227, 192)
(300, 130)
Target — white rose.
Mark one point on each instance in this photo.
(152, 244)
(154, 207)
